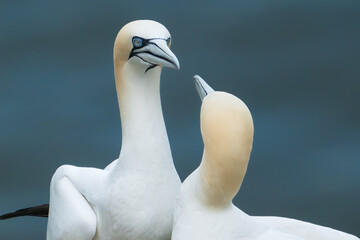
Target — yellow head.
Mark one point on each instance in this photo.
(227, 130)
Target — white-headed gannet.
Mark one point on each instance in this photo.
(204, 209)
(132, 198)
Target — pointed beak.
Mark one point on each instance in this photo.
(157, 52)
(202, 87)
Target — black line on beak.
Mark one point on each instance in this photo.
(151, 67)
(145, 43)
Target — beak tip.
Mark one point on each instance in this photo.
(202, 87)
(176, 64)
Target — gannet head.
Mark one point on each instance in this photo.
(145, 45)
(227, 131)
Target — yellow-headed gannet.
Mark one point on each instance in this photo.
(204, 209)
(132, 198)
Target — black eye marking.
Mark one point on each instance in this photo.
(137, 42)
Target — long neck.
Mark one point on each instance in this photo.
(227, 148)
(221, 177)
(144, 137)
(227, 130)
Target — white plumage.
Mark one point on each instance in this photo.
(204, 209)
(133, 198)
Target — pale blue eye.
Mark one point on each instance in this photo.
(137, 42)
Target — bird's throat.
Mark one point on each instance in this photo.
(143, 128)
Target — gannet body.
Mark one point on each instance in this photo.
(133, 197)
(204, 208)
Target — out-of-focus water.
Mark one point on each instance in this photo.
(296, 65)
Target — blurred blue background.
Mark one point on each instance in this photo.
(296, 65)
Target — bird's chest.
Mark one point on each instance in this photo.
(195, 221)
(136, 207)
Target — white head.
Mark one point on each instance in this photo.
(141, 49)
(144, 44)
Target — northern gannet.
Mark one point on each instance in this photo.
(204, 209)
(133, 197)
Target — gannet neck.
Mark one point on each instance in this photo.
(227, 130)
(143, 129)
(141, 49)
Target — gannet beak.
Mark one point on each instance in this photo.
(157, 52)
(202, 87)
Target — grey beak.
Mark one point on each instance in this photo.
(202, 87)
(158, 53)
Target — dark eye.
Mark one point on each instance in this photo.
(168, 41)
(137, 42)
